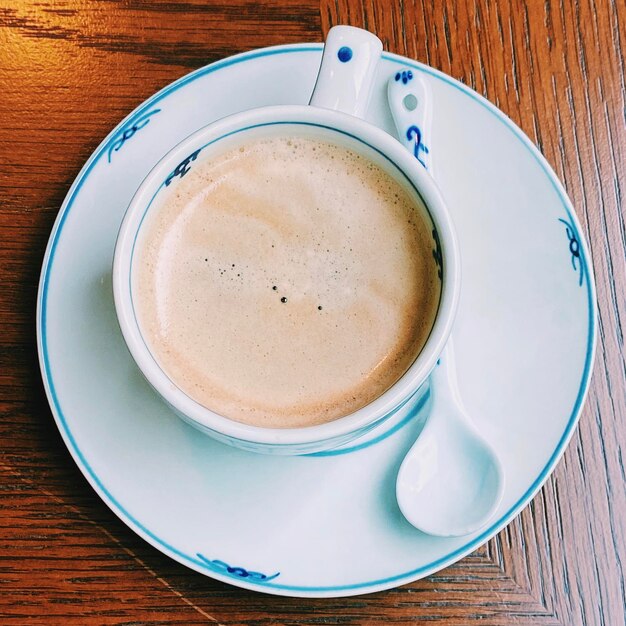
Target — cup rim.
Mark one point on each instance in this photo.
(389, 400)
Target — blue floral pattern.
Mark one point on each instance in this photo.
(414, 133)
(128, 131)
(405, 76)
(437, 254)
(183, 167)
(574, 248)
(221, 567)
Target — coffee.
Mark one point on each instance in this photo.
(285, 283)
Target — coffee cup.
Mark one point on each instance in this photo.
(341, 154)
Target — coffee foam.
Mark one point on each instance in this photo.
(285, 283)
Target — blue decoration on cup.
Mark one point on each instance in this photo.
(415, 133)
(344, 54)
(574, 248)
(183, 167)
(437, 254)
(128, 131)
(238, 572)
(405, 76)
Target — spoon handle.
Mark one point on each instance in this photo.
(443, 379)
(410, 103)
(411, 107)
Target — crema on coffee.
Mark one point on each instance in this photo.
(285, 283)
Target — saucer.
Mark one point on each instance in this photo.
(325, 524)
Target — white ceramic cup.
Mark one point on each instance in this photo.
(339, 101)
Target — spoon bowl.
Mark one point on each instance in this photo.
(451, 481)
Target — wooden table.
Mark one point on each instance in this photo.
(71, 69)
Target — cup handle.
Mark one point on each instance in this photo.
(346, 75)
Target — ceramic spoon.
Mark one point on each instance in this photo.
(451, 480)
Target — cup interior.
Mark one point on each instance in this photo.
(335, 128)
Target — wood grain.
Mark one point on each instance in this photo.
(70, 70)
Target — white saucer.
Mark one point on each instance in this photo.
(325, 525)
